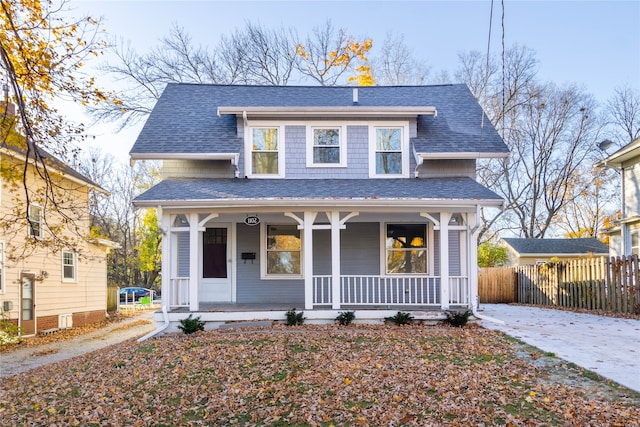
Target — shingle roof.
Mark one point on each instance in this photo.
(557, 246)
(185, 118)
(430, 189)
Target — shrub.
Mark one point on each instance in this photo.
(191, 325)
(457, 318)
(9, 333)
(293, 318)
(400, 318)
(345, 318)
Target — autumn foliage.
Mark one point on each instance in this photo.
(315, 376)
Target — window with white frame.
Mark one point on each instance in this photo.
(35, 221)
(1, 267)
(266, 156)
(389, 152)
(283, 251)
(326, 146)
(69, 265)
(406, 249)
(635, 242)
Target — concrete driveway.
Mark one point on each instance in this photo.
(606, 345)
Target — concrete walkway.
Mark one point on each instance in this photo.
(606, 345)
(27, 358)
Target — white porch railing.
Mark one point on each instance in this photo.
(401, 290)
(179, 292)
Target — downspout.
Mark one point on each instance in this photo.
(165, 313)
(473, 261)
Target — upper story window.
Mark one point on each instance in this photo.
(68, 266)
(326, 146)
(35, 221)
(267, 154)
(389, 152)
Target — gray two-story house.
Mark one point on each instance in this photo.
(319, 198)
(624, 235)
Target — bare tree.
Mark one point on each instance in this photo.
(624, 109)
(396, 64)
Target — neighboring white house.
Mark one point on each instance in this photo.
(320, 198)
(624, 237)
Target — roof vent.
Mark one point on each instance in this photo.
(355, 96)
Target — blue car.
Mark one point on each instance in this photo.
(134, 293)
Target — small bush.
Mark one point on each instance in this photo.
(293, 318)
(346, 317)
(400, 318)
(191, 325)
(9, 333)
(457, 318)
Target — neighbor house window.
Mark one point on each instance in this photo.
(635, 242)
(68, 266)
(283, 250)
(35, 221)
(389, 156)
(325, 146)
(266, 155)
(406, 249)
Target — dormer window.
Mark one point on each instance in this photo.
(326, 146)
(266, 154)
(389, 152)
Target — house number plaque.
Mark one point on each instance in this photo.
(252, 220)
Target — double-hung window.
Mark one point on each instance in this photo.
(389, 152)
(266, 154)
(406, 249)
(326, 146)
(283, 251)
(35, 221)
(635, 242)
(69, 265)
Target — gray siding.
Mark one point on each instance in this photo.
(454, 253)
(447, 168)
(183, 253)
(360, 248)
(322, 252)
(197, 169)
(250, 288)
(357, 155)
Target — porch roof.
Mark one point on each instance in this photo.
(366, 192)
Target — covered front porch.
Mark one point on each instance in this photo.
(375, 262)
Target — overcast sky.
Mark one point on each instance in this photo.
(593, 43)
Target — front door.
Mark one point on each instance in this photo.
(27, 304)
(215, 283)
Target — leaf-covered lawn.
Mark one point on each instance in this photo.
(310, 375)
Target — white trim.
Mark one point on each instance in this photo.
(460, 155)
(342, 144)
(74, 259)
(346, 111)
(444, 260)
(405, 148)
(383, 255)
(248, 149)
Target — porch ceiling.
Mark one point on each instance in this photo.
(460, 191)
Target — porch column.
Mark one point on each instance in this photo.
(307, 250)
(334, 218)
(193, 263)
(166, 268)
(445, 217)
(472, 259)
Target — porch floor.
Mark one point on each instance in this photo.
(257, 307)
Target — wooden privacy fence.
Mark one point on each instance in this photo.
(611, 284)
(112, 298)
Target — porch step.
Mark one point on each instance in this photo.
(251, 324)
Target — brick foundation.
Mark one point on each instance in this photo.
(87, 317)
(47, 322)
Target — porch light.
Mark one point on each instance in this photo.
(181, 221)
